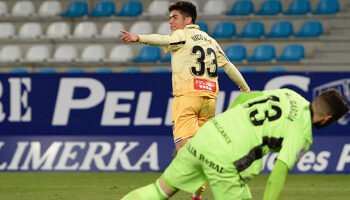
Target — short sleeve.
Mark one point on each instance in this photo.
(294, 146)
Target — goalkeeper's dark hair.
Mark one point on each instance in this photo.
(331, 102)
(186, 8)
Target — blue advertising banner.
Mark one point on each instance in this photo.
(122, 122)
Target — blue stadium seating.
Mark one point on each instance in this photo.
(277, 70)
(282, 29)
(224, 30)
(47, 71)
(242, 7)
(299, 7)
(220, 70)
(236, 52)
(263, 53)
(75, 71)
(19, 71)
(327, 7)
(292, 52)
(132, 70)
(160, 70)
(270, 7)
(247, 70)
(103, 9)
(310, 29)
(131, 9)
(203, 26)
(252, 30)
(148, 54)
(76, 9)
(167, 58)
(104, 71)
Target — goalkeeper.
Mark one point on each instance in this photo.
(227, 151)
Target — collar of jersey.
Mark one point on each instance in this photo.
(192, 26)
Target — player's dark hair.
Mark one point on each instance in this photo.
(334, 104)
(186, 8)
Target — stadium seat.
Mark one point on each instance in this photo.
(298, 7)
(167, 58)
(160, 70)
(50, 8)
(263, 53)
(76, 9)
(111, 30)
(282, 29)
(252, 30)
(10, 53)
(75, 71)
(47, 71)
(37, 53)
(30, 30)
(292, 52)
(23, 9)
(220, 70)
(270, 7)
(310, 29)
(65, 53)
(7, 30)
(93, 53)
(157, 7)
(214, 7)
(103, 9)
(120, 53)
(203, 26)
(131, 9)
(247, 70)
(19, 71)
(58, 30)
(327, 7)
(141, 27)
(132, 70)
(277, 70)
(242, 7)
(224, 30)
(85, 30)
(3, 9)
(164, 28)
(236, 52)
(148, 54)
(103, 71)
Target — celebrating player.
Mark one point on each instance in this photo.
(195, 57)
(255, 124)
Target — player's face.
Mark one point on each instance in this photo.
(178, 21)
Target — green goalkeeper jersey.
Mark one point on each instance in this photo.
(260, 122)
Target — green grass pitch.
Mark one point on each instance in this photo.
(108, 186)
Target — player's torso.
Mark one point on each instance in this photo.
(194, 66)
(265, 120)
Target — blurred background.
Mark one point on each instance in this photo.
(260, 35)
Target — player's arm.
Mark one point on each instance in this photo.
(153, 39)
(236, 76)
(276, 180)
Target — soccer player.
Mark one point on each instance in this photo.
(195, 57)
(255, 124)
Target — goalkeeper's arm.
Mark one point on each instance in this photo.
(275, 183)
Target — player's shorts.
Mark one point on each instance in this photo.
(189, 114)
(197, 164)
